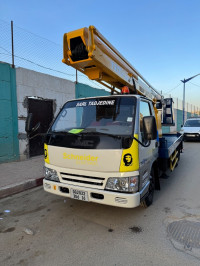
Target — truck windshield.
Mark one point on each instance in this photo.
(106, 115)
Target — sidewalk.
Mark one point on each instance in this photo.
(18, 176)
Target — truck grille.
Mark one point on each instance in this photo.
(82, 179)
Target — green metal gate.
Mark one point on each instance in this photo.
(9, 144)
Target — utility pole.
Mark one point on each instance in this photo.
(12, 39)
(76, 76)
(184, 81)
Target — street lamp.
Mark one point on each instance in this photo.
(184, 81)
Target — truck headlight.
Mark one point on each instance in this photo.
(50, 174)
(125, 184)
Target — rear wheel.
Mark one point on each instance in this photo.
(149, 199)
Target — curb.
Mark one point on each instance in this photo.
(19, 187)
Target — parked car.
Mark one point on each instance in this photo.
(191, 129)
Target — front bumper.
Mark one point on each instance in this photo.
(124, 200)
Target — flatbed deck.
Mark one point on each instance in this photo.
(168, 144)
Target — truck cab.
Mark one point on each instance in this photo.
(96, 150)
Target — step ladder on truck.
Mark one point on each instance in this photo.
(110, 149)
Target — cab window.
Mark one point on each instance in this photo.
(145, 110)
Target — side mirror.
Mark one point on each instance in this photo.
(29, 120)
(149, 128)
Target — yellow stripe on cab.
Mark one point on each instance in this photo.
(130, 157)
(46, 154)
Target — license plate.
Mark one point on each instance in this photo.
(79, 194)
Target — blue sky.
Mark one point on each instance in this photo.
(161, 39)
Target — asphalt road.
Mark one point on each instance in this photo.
(37, 228)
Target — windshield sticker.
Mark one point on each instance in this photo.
(94, 103)
(129, 119)
(75, 131)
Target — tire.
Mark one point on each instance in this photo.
(149, 199)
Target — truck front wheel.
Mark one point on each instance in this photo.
(149, 199)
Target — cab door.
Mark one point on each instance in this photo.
(146, 154)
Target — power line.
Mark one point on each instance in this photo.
(38, 36)
(40, 48)
(8, 53)
(5, 54)
(54, 70)
(173, 88)
(44, 66)
(194, 84)
(5, 50)
(30, 61)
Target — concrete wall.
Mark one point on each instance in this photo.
(9, 148)
(34, 84)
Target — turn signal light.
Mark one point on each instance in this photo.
(125, 90)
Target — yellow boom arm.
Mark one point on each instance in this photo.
(89, 52)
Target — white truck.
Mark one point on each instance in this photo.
(109, 150)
